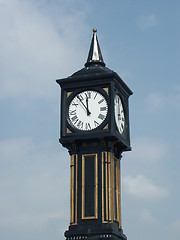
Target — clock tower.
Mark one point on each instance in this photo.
(94, 127)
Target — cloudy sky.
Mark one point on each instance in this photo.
(43, 40)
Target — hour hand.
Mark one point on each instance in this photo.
(87, 107)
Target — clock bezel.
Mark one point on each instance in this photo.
(72, 95)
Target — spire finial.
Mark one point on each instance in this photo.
(94, 56)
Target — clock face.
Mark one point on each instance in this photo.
(87, 110)
(119, 114)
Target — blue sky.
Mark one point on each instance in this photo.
(41, 41)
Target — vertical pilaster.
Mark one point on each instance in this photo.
(73, 188)
(111, 191)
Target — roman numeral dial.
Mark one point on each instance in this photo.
(87, 110)
(119, 114)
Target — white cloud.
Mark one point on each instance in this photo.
(10, 149)
(149, 150)
(176, 95)
(147, 21)
(147, 216)
(161, 100)
(175, 227)
(141, 187)
(178, 145)
(156, 100)
(36, 49)
(31, 183)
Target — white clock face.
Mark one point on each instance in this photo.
(87, 110)
(119, 114)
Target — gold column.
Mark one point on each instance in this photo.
(119, 191)
(105, 188)
(111, 185)
(111, 190)
(73, 189)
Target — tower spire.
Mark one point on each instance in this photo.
(94, 56)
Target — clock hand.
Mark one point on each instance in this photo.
(119, 115)
(88, 112)
(87, 108)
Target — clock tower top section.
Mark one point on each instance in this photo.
(94, 65)
(85, 117)
(94, 69)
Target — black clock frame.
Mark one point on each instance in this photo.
(99, 81)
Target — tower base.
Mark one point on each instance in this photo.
(105, 232)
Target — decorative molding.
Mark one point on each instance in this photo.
(68, 131)
(106, 127)
(68, 94)
(106, 90)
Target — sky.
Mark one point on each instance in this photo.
(41, 41)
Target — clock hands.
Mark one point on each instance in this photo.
(119, 114)
(86, 106)
(87, 110)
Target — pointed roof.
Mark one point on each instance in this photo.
(94, 71)
(94, 56)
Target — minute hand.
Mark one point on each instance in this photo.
(88, 112)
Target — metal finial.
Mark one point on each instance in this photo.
(94, 56)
